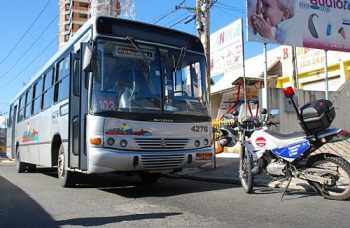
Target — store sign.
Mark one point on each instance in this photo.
(226, 51)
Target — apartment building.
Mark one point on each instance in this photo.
(73, 14)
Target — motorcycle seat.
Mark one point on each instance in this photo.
(286, 139)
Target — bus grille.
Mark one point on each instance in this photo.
(161, 144)
(163, 161)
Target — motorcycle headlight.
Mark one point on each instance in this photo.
(223, 141)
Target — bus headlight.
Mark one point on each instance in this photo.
(110, 141)
(206, 142)
(197, 143)
(123, 143)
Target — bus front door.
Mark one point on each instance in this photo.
(77, 157)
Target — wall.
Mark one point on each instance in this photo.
(288, 119)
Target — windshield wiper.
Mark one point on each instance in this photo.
(137, 47)
(180, 58)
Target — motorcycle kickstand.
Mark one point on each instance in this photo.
(286, 188)
(289, 178)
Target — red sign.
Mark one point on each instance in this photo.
(204, 156)
(260, 142)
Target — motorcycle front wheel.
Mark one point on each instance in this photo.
(340, 187)
(245, 171)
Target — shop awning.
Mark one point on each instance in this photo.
(254, 69)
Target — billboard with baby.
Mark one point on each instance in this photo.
(322, 24)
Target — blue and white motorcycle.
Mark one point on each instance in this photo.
(289, 156)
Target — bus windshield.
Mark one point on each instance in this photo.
(129, 77)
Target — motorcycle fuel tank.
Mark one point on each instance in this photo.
(292, 151)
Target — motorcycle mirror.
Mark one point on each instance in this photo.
(264, 111)
(288, 92)
(235, 113)
(274, 112)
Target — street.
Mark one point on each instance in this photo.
(36, 200)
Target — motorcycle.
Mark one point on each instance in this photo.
(287, 156)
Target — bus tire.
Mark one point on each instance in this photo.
(66, 178)
(31, 168)
(20, 166)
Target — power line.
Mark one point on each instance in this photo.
(25, 33)
(36, 58)
(30, 47)
(177, 7)
(188, 17)
(238, 9)
(175, 19)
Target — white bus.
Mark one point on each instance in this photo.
(120, 96)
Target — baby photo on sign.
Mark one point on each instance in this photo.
(271, 21)
(300, 23)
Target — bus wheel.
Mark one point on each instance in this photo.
(149, 178)
(66, 178)
(20, 166)
(31, 168)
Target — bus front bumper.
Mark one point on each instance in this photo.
(103, 160)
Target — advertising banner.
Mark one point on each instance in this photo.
(321, 24)
(226, 49)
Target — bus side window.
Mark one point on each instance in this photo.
(28, 108)
(47, 90)
(9, 121)
(62, 80)
(21, 109)
(37, 90)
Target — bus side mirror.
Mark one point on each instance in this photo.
(87, 49)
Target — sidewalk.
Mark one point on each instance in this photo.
(227, 164)
(226, 171)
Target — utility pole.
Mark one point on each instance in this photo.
(203, 32)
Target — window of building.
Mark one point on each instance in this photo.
(66, 38)
(83, 16)
(66, 27)
(66, 17)
(67, 6)
(83, 4)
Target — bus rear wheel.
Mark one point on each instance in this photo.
(20, 166)
(66, 178)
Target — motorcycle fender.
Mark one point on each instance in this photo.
(334, 135)
(256, 154)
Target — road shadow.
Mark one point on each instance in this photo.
(130, 186)
(100, 221)
(18, 209)
(290, 195)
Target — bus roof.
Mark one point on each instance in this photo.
(136, 24)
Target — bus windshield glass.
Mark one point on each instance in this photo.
(148, 79)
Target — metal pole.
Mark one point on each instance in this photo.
(264, 94)
(326, 74)
(295, 68)
(244, 79)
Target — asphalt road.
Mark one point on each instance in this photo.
(36, 200)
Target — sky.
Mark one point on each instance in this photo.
(29, 34)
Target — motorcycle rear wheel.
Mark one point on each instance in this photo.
(245, 171)
(340, 190)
